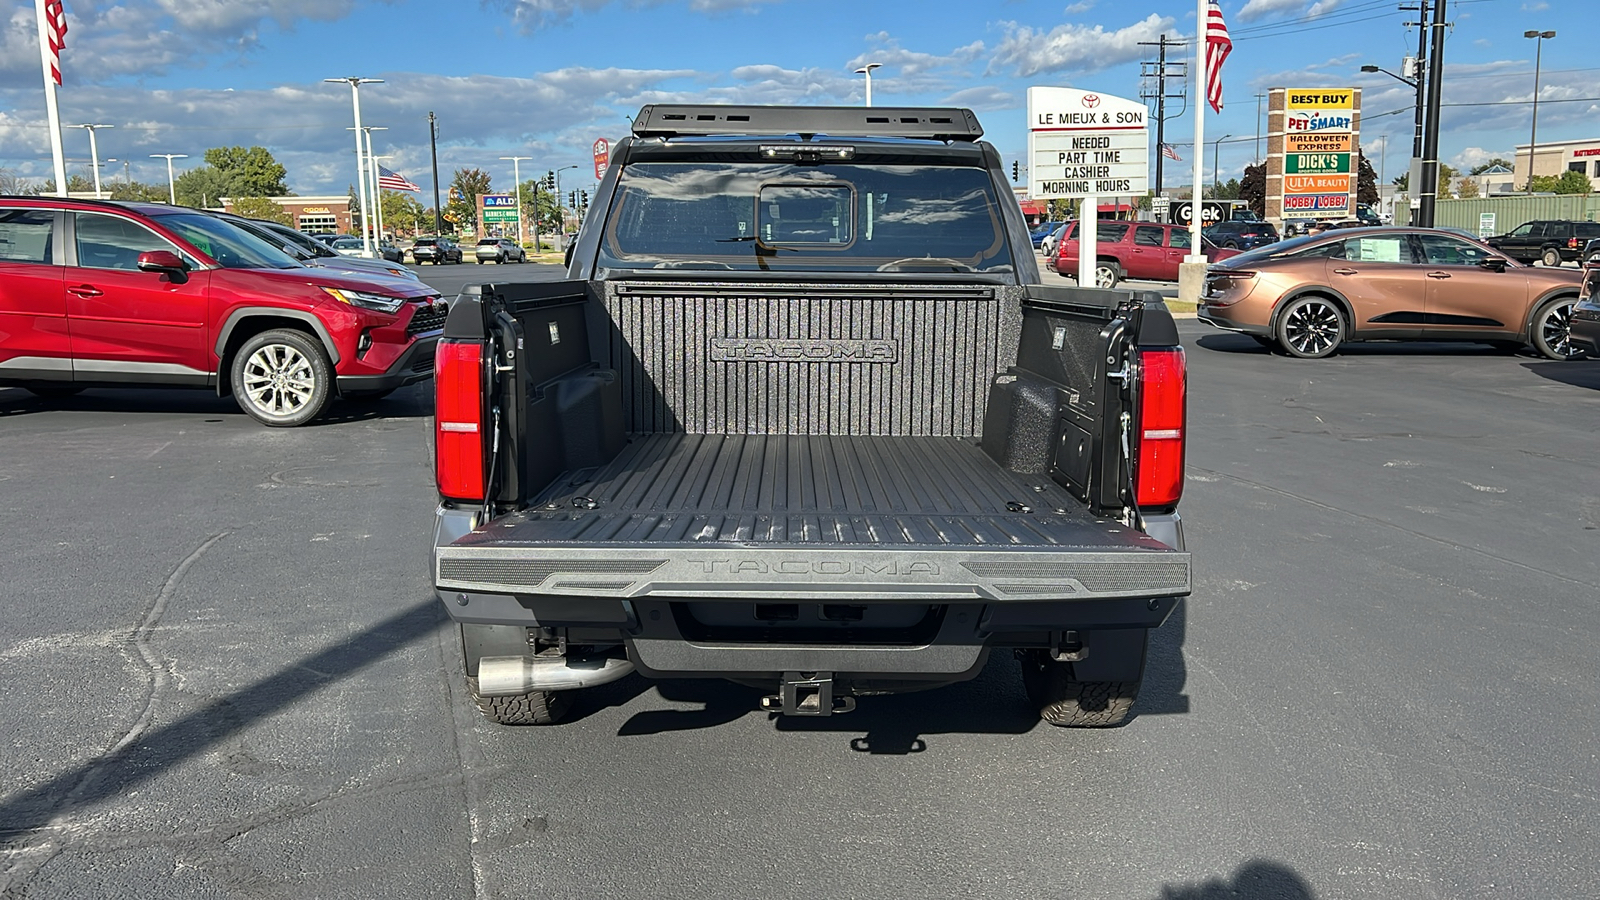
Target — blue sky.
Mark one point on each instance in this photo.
(544, 78)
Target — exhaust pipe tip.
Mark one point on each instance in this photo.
(509, 676)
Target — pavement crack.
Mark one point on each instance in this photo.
(25, 862)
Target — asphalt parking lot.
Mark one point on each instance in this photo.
(227, 675)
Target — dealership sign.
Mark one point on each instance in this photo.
(1086, 144)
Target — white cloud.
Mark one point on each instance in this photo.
(241, 18)
(1472, 157)
(983, 98)
(1079, 8)
(1535, 6)
(1074, 48)
(1257, 9)
(1321, 7)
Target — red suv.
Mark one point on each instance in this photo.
(1150, 251)
(103, 294)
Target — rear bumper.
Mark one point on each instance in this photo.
(697, 612)
(412, 366)
(1216, 317)
(1585, 326)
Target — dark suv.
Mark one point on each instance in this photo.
(1238, 235)
(106, 294)
(437, 250)
(1551, 241)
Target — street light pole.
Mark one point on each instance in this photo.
(372, 183)
(516, 191)
(361, 181)
(94, 152)
(1216, 169)
(562, 226)
(1539, 37)
(172, 186)
(867, 71)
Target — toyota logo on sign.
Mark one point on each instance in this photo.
(1091, 100)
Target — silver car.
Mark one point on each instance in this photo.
(500, 250)
(313, 252)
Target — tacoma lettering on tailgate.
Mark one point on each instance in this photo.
(803, 350)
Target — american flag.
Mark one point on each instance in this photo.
(1218, 46)
(55, 23)
(394, 181)
(1169, 153)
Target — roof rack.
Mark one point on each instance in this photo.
(934, 123)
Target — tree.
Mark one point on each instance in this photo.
(1253, 188)
(465, 188)
(1447, 177)
(1568, 182)
(1366, 182)
(231, 172)
(1402, 183)
(262, 208)
(1466, 188)
(135, 190)
(1227, 190)
(76, 184)
(401, 210)
(539, 207)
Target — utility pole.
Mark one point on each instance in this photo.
(433, 147)
(1428, 191)
(516, 179)
(1414, 172)
(1160, 71)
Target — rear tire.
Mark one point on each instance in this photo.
(1067, 703)
(532, 708)
(1107, 274)
(1551, 257)
(1310, 328)
(1551, 332)
(282, 378)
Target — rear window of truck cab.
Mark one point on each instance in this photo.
(784, 217)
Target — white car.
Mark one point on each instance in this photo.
(1048, 245)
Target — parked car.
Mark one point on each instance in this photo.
(1240, 234)
(1550, 241)
(499, 250)
(1042, 231)
(1150, 251)
(108, 294)
(1591, 253)
(1583, 328)
(437, 250)
(1048, 245)
(315, 253)
(1309, 295)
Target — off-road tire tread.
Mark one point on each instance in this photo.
(1066, 703)
(532, 708)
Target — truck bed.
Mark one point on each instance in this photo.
(877, 517)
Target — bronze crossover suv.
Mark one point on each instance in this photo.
(1310, 294)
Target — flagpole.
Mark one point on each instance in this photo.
(50, 100)
(1201, 80)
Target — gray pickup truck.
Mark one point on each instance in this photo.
(804, 418)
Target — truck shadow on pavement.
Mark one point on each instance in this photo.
(992, 703)
(116, 773)
(1582, 373)
(1258, 879)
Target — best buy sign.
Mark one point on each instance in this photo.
(1315, 163)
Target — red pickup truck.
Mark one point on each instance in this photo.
(1150, 251)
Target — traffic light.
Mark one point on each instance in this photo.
(548, 182)
(572, 199)
(1014, 170)
(584, 196)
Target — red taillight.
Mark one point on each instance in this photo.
(1572, 243)
(1163, 390)
(458, 419)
